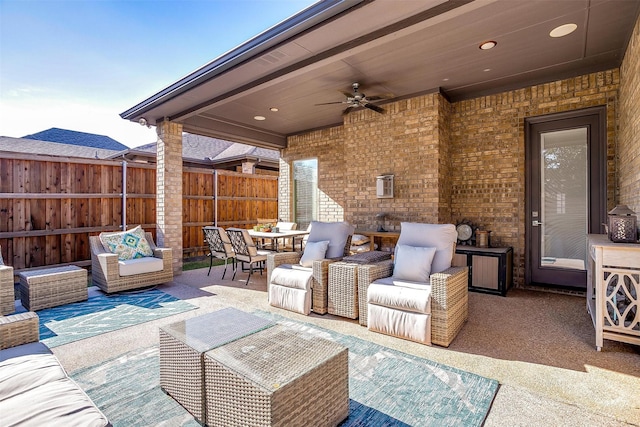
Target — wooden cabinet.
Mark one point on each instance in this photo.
(613, 290)
(490, 269)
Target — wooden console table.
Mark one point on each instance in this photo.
(377, 236)
(613, 290)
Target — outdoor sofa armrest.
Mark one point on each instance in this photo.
(7, 293)
(449, 304)
(18, 329)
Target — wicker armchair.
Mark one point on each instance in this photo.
(105, 271)
(320, 268)
(7, 293)
(447, 290)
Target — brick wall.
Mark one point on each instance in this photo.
(457, 161)
(488, 152)
(629, 131)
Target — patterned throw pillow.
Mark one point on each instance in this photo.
(127, 244)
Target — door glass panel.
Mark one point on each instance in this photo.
(305, 187)
(564, 199)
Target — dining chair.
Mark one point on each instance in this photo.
(246, 250)
(219, 247)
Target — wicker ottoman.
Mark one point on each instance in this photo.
(277, 377)
(52, 287)
(182, 345)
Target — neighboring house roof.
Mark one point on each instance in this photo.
(199, 148)
(72, 137)
(32, 146)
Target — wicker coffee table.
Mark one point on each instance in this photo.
(277, 377)
(183, 344)
(51, 287)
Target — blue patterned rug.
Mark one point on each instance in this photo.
(386, 388)
(103, 313)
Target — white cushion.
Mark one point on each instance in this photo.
(443, 237)
(399, 323)
(314, 251)
(292, 299)
(400, 297)
(336, 233)
(26, 367)
(413, 263)
(291, 277)
(403, 283)
(140, 266)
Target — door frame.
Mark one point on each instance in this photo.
(597, 160)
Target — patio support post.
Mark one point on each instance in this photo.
(169, 190)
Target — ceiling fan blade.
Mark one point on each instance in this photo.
(330, 103)
(347, 110)
(374, 108)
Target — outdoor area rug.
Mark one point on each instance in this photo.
(386, 388)
(103, 313)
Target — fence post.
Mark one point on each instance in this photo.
(215, 197)
(124, 195)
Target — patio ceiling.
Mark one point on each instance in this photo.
(396, 48)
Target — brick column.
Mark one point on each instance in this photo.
(169, 190)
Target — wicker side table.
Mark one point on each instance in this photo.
(52, 287)
(277, 377)
(183, 344)
(343, 289)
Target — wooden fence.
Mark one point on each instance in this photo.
(49, 206)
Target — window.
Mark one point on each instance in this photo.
(305, 192)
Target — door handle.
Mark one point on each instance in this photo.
(536, 223)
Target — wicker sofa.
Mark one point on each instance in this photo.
(106, 268)
(400, 304)
(34, 387)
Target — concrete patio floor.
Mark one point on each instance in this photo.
(540, 346)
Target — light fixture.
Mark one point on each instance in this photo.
(563, 30)
(142, 121)
(274, 109)
(259, 118)
(489, 44)
(487, 70)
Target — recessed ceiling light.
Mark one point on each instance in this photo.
(274, 109)
(563, 30)
(446, 79)
(490, 44)
(486, 69)
(260, 118)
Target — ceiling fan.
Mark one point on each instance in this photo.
(358, 99)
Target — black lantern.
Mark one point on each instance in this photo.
(622, 225)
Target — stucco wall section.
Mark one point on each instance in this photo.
(629, 132)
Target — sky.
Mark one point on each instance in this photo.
(78, 64)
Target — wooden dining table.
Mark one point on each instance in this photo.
(276, 236)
